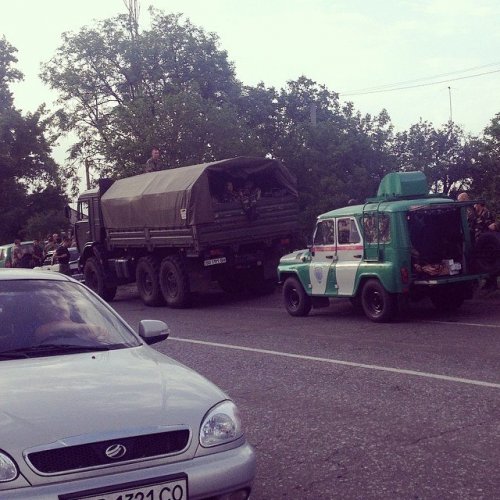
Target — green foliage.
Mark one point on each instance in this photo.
(28, 174)
(41, 224)
(124, 89)
(445, 155)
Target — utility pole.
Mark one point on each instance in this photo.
(87, 173)
(451, 109)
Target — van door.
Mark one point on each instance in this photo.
(349, 254)
(323, 255)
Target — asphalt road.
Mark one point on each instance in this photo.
(339, 407)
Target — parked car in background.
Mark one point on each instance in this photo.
(6, 254)
(74, 255)
(105, 416)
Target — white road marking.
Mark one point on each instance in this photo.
(485, 325)
(344, 363)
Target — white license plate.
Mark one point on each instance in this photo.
(212, 262)
(169, 490)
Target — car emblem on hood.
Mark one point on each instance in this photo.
(115, 451)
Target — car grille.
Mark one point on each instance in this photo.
(83, 456)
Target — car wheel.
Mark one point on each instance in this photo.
(147, 276)
(95, 279)
(297, 302)
(174, 282)
(378, 304)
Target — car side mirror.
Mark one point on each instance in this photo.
(67, 212)
(153, 331)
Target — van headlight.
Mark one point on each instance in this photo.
(221, 425)
(8, 468)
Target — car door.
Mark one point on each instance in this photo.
(349, 254)
(322, 255)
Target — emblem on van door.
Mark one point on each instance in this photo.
(318, 273)
(115, 451)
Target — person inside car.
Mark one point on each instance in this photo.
(54, 322)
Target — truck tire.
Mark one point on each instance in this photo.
(95, 279)
(378, 304)
(174, 282)
(147, 275)
(487, 253)
(297, 302)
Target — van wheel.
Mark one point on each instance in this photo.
(147, 280)
(174, 282)
(378, 304)
(297, 302)
(95, 279)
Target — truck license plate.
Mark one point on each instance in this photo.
(212, 262)
(169, 490)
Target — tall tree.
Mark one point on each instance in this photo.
(124, 90)
(446, 155)
(26, 165)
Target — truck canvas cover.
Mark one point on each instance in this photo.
(180, 197)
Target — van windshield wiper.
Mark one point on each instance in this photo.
(40, 350)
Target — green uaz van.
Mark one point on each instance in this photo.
(398, 247)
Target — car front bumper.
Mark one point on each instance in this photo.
(208, 477)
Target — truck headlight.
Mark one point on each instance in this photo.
(221, 425)
(8, 468)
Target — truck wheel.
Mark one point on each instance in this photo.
(378, 304)
(147, 275)
(95, 279)
(297, 302)
(174, 282)
(487, 252)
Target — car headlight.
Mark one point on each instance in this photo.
(221, 425)
(8, 468)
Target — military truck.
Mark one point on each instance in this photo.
(174, 232)
(398, 247)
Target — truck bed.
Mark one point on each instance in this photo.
(275, 217)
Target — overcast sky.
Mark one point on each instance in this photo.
(347, 45)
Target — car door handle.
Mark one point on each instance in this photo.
(357, 256)
(329, 256)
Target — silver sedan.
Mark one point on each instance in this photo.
(89, 411)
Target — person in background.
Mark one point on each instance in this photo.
(154, 163)
(37, 253)
(62, 256)
(481, 220)
(17, 254)
(229, 193)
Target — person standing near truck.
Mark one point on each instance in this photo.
(154, 163)
(481, 220)
(62, 256)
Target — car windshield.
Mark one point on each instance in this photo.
(44, 317)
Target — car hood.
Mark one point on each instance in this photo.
(294, 257)
(44, 400)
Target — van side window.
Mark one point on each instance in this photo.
(325, 233)
(83, 210)
(370, 228)
(348, 231)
